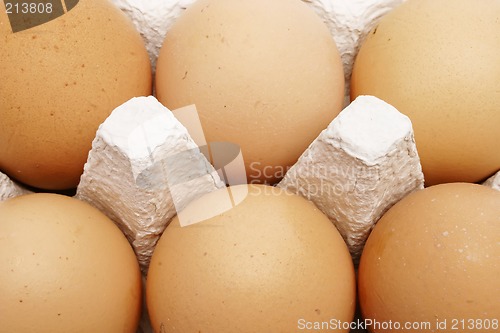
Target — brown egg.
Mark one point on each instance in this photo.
(60, 80)
(265, 75)
(273, 263)
(434, 259)
(437, 61)
(65, 267)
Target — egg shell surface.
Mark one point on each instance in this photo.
(65, 267)
(60, 80)
(265, 75)
(435, 257)
(267, 265)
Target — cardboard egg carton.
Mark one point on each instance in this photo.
(10, 189)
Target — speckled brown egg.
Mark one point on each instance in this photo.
(272, 263)
(437, 61)
(434, 258)
(265, 75)
(65, 267)
(59, 81)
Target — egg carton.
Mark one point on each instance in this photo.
(141, 178)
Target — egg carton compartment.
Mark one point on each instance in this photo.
(354, 171)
